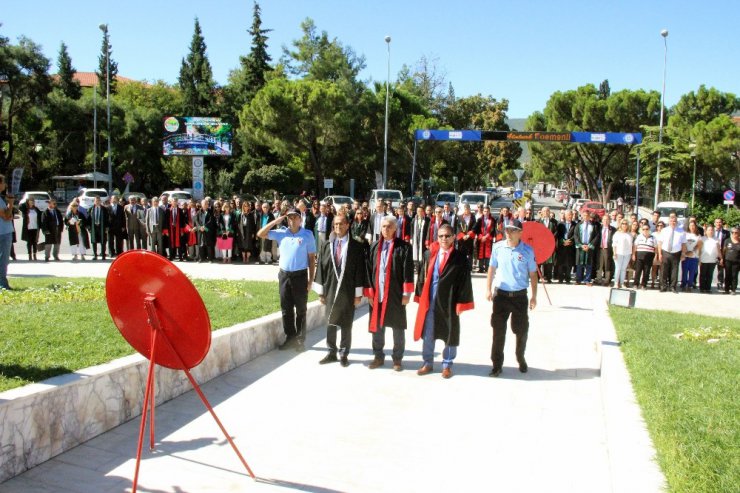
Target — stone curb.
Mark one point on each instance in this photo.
(42, 420)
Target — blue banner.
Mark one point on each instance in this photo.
(461, 135)
(605, 138)
(497, 135)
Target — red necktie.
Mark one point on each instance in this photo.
(338, 253)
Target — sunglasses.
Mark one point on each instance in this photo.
(444, 236)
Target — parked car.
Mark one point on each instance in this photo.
(561, 195)
(40, 198)
(492, 191)
(395, 197)
(579, 203)
(138, 195)
(339, 200)
(680, 208)
(443, 198)
(473, 198)
(572, 197)
(594, 208)
(181, 196)
(87, 196)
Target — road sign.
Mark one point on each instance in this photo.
(128, 177)
(519, 173)
(328, 183)
(518, 194)
(198, 184)
(729, 195)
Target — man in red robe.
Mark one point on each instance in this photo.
(444, 290)
(174, 229)
(485, 232)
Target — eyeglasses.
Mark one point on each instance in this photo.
(444, 236)
(646, 229)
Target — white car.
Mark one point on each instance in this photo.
(339, 200)
(394, 197)
(446, 198)
(473, 199)
(87, 196)
(182, 197)
(579, 203)
(41, 199)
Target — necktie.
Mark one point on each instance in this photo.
(670, 241)
(156, 215)
(442, 261)
(338, 254)
(603, 238)
(585, 233)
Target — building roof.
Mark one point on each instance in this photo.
(90, 79)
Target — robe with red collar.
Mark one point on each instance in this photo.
(399, 280)
(485, 235)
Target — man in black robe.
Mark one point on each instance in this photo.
(206, 229)
(390, 286)
(340, 279)
(566, 247)
(552, 225)
(117, 227)
(465, 229)
(98, 228)
(444, 290)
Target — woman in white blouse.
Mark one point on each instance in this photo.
(710, 254)
(31, 227)
(622, 248)
(690, 263)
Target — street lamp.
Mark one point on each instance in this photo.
(387, 99)
(663, 33)
(692, 146)
(104, 28)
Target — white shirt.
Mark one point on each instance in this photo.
(622, 243)
(691, 241)
(709, 250)
(679, 238)
(33, 220)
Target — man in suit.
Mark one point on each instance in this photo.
(206, 231)
(586, 236)
(322, 228)
(154, 222)
(141, 216)
(722, 236)
(132, 223)
(340, 279)
(52, 224)
(175, 221)
(375, 221)
(98, 218)
(308, 221)
(605, 266)
(566, 251)
(403, 230)
(117, 227)
(548, 266)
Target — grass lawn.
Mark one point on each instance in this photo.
(51, 326)
(687, 388)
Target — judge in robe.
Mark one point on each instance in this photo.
(52, 224)
(443, 290)
(246, 230)
(340, 279)
(566, 247)
(504, 218)
(117, 227)
(98, 217)
(587, 237)
(485, 231)
(174, 229)
(192, 236)
(434, 224)
(206, 228)
(390, 286)
(465, 234)
(548, 266)
(403, 230)
(419, 230)
(154, 222)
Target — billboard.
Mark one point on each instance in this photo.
(196, 136)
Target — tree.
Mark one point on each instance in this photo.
(66, 81)
(306, 118)
(24, 74)
(251, 75)
(106, 65)
(196, 78)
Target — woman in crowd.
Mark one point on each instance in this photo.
(225, 240)
(690, 263)
(246, 230)
(731, 260)
(31, 227)
(656, 263)
(622, 248)
(76, 231)
(643, 253)
(264, 216)
(708, 259)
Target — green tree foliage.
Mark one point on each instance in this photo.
(598, 168)
(24, 74)
(196, 78)
(66, 81)
(273, 177)
(107, 63)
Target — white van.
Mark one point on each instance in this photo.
(183, 197)
(473, 198)
(680, 208)
(393, 197)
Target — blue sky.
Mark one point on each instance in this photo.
(519, 50)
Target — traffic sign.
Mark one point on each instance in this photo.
(729, 195)
(328, 183)
(519, 173)
(518, 194)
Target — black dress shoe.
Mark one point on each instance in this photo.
(289, 343)
(495, 372)
(376, 363)
(675, 290)
(300, 346)
(344, 361)
(329, 358)
(523, 366)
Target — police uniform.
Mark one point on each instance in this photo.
(513, 268)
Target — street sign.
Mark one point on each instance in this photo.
(198, 184)
(328, 183)
(518, 194)
(729, 195)
(519, 173)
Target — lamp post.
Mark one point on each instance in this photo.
(387, 99)
(692, 146)
(95, 134)
(663, 33)
(104, 28)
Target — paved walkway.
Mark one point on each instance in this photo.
(570, 424)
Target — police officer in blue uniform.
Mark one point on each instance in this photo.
(514, 267)
(297, 247)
